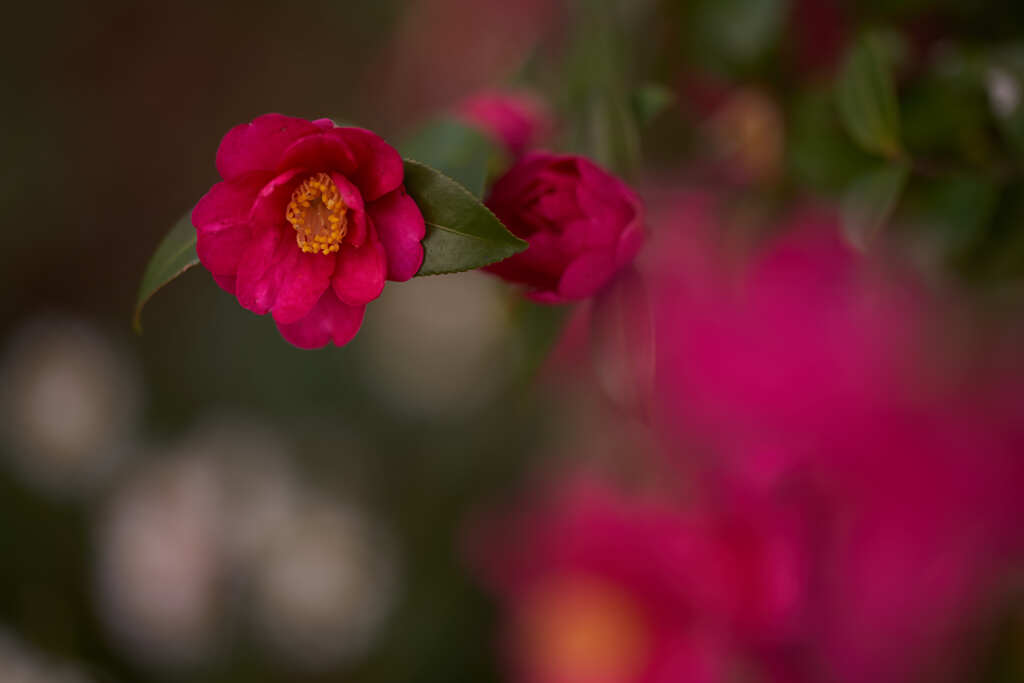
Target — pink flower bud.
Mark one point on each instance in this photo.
(582, 223)
(518, 120)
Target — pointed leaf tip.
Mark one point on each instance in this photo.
(175, 254)
(462, 233)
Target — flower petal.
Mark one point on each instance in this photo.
(545, 296)
(225, 282)
(259, 146)
(400, 228)
(587, 274)
(540, 266)
(221, 251)
(356, 215)
(607, 201)
(228, 202)
(519, 179)
(630, 242)
(364, 157)
(259, 271)
(329, 320)
(275, 275)
(514, 119)
(272, 201)
(359, 276)
(378, 166)
(308, 277)
(322, 152)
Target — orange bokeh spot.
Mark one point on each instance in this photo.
(583, 630)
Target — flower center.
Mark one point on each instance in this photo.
(318, 215)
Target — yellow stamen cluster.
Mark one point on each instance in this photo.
(318, 215)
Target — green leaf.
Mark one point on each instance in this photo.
(461, 152)
(819, 154)
(869, 203)
(867, 97)
(957, 210)
(462, 233)
(175, 254)
(650, 100)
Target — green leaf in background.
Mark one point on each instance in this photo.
(462, 233)
(958, 212)
(819, 154)
(461, 152)
(175, 254)
(869, 202)
(867, 97)
(650, 100)
(996, 250)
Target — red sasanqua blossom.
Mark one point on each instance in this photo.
(308, 222)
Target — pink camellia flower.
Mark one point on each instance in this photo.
(913, 564)
(308, 222)
(517, 120)
(582, 224)
(807, 373)
(771, 360)
(844, 441)
(601, 587)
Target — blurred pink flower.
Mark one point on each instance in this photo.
(308, 222)
(919, 503)
(777, 357)
(600, 587)
(517, 120)
(807, 373)
(582, 224)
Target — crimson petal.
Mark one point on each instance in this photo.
(401, 229)
(259, 145)
(329, 321)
